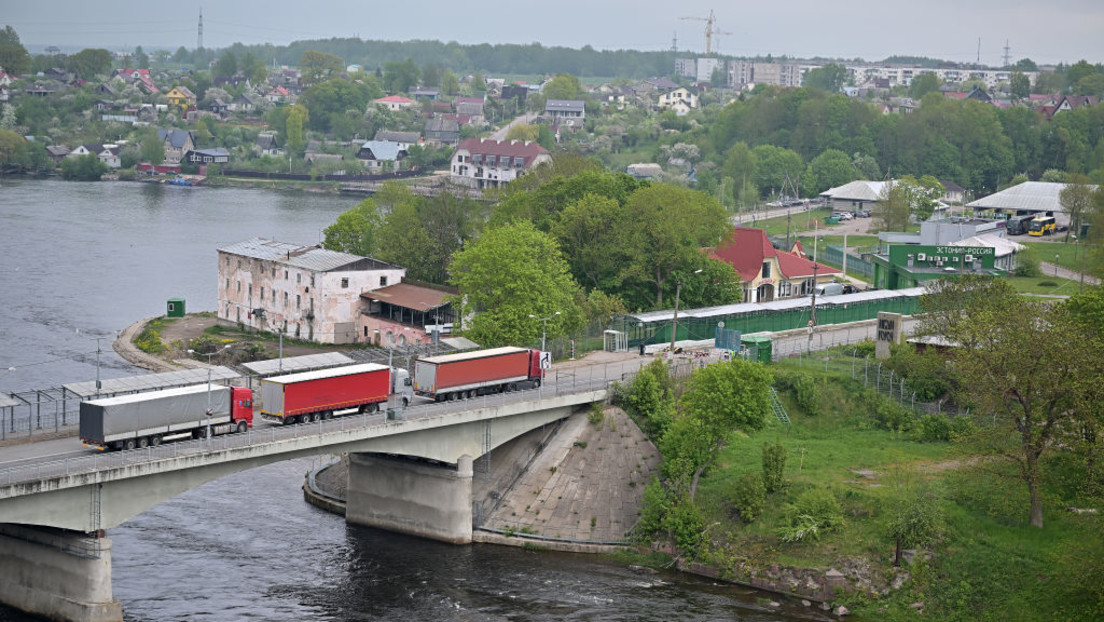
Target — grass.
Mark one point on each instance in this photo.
(991, 564)
(853, 241)
(1069, 254)
(1044, 285)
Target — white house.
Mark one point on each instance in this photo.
(681, 95)
(394, 102)
(305, 291)
(479, 163)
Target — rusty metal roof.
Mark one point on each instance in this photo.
(409, 296)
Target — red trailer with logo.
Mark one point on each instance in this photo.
(468, 374)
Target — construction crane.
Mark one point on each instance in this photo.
(710, 30)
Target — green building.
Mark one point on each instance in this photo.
(909, 265)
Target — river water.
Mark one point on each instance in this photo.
(87, 259)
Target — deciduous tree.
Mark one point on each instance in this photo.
(355, 231)
(315, 67)
(1076, 198)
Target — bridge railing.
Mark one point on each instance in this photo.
(557, 382)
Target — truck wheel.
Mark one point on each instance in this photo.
(406, 402)
(327, 415)
(452, 397)
(143, 442)
(155, 440)
(537, 383)
(128, 444)
(242, 427)
(512, 387)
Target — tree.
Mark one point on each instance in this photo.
(253, 68)
(329, 100)
(719, 400)
(867, 166)
(509, 274)
(89, 63)
(1020, 85)
(153, 148)
(83, 168)
(591, 232)
(399, 77)
(450, 84)
(1076, 198)
(830, 78)
(13, 56)
(670, 226)
(923, 84)
(295, 141)
(904, 198)
(315, 67)
(355, 230)
(830, 169)
(563, 86)
(403, 240)
(227, 65)
(1077, 71)
(1024, 401)
(777, 168)
(915, 518)
(1025, 64)
(141, 59)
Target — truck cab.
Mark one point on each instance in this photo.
(401, 385)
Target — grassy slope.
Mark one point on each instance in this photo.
(991, 565)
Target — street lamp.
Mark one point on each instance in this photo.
(209, 355)
(1055, 266)
(544, 326)
(674, 320)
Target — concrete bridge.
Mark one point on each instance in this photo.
(411, 474)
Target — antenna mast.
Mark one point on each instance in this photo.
(199, 36)
(1007, 54)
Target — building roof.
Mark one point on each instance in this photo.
(383, 150)
(1036, 196)
(1002, 246)
(441, 124)
(177, 138)
(312, 258)
(513, 149)
(409, 296)
(217, 152)
(746, 249)
(394, 99)
(398, 137)
(861, 190)
(661, 83)
(564, 105)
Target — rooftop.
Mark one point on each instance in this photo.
(306, 257)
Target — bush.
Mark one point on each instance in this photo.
(803, 387)
(149, 340)
(651, 398)
(815, 511)
(889, 415)
(863, 349)
(668, 514)
(1027, 264)
(749, 496)
(934, 428)
(597, 414)
(774, 467)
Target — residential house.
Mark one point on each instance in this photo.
(681, 95)
(138, 77)
(57, 152)
(106, 90)
(266, 145)
(518, 92)
(381, 156)
(177, 143)
(181, 97)
(6, 79)
(83, 150)
(235, 80)
(246, 102)
(471, 106)
(405, 313)
(566, 112)
(644, 170)
(406, 140)
(109, 155)
(218, 107)
(207, 156)
(278, 95)
(5, 94)
(394, 102)
(767, 273)
(480, 163)
(420, 92)
(658, 84)
(442, 130)
(953, 193)
(304, 291)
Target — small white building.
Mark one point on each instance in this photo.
(682, 96)
(304, 291)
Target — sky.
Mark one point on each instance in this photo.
(1048, 33)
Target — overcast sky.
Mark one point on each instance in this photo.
(1064, 30)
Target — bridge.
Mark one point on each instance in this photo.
(410, 471)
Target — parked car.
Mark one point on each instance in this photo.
(863, 213)
(843, 215)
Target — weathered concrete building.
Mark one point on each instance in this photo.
(305, 291)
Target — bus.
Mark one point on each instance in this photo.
(1042, 225)
(1019, 225)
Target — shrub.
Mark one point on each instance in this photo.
(774, 467)
(149, 340)
(934, 428)
(597, 414)
(749, 496)
(890, 415)
(651, 398)
(804, 388)
(816, 510)
(863, 349)
(1027, 264)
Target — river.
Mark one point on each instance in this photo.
(88, 259)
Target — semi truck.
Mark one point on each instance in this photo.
(319, 394)
(144, 419)
(468, 374)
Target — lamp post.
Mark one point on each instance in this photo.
(209, 355)
(674, 320)
(544, 326)
(1056, 265)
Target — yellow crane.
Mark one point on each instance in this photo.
(710, 30)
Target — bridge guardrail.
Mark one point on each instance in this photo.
(557, 382)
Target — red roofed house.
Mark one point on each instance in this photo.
(480, 163)
(767, 273)
(394, 102)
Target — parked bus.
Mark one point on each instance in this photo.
(1019, 225)
(1042, 225)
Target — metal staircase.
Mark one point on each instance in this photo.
(777, 408)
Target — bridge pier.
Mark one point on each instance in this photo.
(57, 574)
(411, 496)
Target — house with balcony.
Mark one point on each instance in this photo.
(181, 97)
(682, 98)
(566, 112)
(306, 292)
(767, 273)
(479, 163)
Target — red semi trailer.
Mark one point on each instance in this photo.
(468, 374)
(314, 395)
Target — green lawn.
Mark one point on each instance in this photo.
(1069, 255)
(1044, 285)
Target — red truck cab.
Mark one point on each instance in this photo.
(241, 406)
